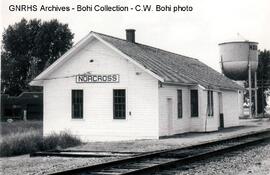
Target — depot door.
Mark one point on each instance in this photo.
(169, 115)
(221, 116)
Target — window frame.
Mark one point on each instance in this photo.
(81, 102)
(192, 114)
(125, 105)
(179, 104)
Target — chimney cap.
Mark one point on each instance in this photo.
(130, 35)
(130, 30)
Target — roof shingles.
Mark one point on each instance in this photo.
(173, 68)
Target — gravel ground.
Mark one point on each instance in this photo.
(254, 160)
(44, 165)
(175, 142)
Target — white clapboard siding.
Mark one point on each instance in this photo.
(210, 123)
(231, 108)
(186, 123)
(98, 122)
(179, 125)
(146, 101)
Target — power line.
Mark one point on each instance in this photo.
(63, 77)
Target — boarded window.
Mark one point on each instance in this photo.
(77, 104)
(179, 104)
(194, 103)
(210, 103)
(119, 103)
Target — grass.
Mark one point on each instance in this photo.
(266, 115)
(26, 137)
(20, 127)
(259, 116)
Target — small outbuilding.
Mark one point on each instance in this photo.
(26, 106)
(106, 88)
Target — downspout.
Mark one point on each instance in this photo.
(205, 123)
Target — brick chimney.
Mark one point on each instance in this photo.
(130, 35)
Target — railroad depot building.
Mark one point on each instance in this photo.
(106, 88)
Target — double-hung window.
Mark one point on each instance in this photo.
(77, 104)
(119, 104)
(194, 103)
(179, 104)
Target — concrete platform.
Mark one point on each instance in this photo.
(176, 141)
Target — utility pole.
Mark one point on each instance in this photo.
(249, 87)
(256, 97)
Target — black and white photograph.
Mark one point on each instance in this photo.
(142, 87)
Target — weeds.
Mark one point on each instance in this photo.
(23, 140)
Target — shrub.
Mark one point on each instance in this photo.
(20, 143)
(31, 141)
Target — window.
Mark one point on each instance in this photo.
(194, 103)
(119, 103)
(210, 103)
(77, 104)
(179, 104)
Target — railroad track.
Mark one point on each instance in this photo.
(159, 160)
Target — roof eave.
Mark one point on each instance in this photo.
(232, 89)
(36, 82)
(178, 83)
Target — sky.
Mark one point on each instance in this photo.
(196, 33)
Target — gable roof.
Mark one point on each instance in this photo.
(172, 67)
(166, 66)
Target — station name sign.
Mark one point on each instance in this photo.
(108, 78)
